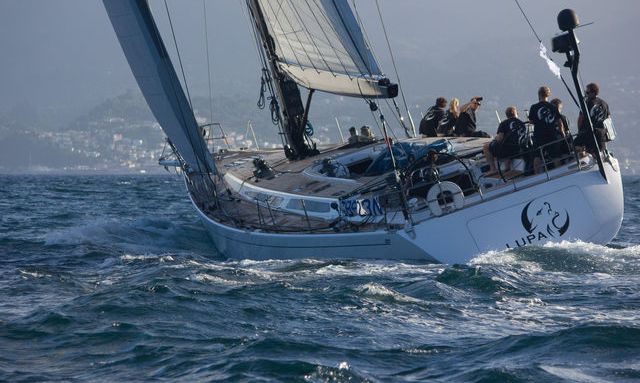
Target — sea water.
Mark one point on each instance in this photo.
(113, 278)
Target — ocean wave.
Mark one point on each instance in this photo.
(380, 291)
(574, 257)
(147, 257)
(214, 279)
(33, 274)
(138, 235)
(475, 279)
(505, 258)
(585, 353)
(574, 374)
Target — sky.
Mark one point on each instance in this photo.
(64, 54)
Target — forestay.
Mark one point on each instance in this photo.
(156, 77)
(319, 44)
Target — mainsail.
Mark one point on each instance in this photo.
(320, 45)
(156, 77)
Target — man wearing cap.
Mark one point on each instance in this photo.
(466, 124)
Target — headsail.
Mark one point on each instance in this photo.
(320, 45)
(156, 77)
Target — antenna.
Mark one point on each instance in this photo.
(339, 130)
(567, 43)
(253, 133)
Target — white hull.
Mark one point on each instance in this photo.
(579, 206)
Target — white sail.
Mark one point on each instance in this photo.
(321, 46)
(156, 77)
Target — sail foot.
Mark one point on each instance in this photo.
(344, 85)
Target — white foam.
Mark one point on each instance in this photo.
(33, 274)
(147, 257)
(379, 268)
(129, 257)
(505, 257)
(375, 289)
(262, 263)
(592, 248)
(214, 279)
(572, 374)
(233, 267)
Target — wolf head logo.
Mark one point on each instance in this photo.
(543, 217)
(598, 113)
(546, 115)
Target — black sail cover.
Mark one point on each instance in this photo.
(152, 68)
(320, 45)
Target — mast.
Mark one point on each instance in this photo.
(320, 46)
(294, 117)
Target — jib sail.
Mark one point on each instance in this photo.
(157, 79)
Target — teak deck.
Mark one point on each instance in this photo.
(291, 178)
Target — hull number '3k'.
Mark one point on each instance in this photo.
(361, 207)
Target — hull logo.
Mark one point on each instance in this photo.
(542, 222)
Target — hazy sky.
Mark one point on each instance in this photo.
(64, 53)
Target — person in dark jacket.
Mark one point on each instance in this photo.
(506, 144)
(599, 112)
(546, 127)
(564, 148)
(466, 124)
(433, 118)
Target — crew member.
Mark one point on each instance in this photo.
(447, 126)
(546, 126)
(507, 141)
(564, 128)
(433, 118)
(466, 124)
(599, 112)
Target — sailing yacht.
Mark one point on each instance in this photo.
(414, 198)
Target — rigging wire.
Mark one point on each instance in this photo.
(395, 68)
(175, 42)
(283, 34)
(301, 23)
(168, 64)
(353, 40)
(373, 58)
(540, 41)
(206, 39)
(326, 37)
(528, 22)
(380, 119)
(332, 28)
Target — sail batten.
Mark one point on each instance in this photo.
(152, 68)
(314, 38)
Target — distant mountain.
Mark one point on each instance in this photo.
(131, 106)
